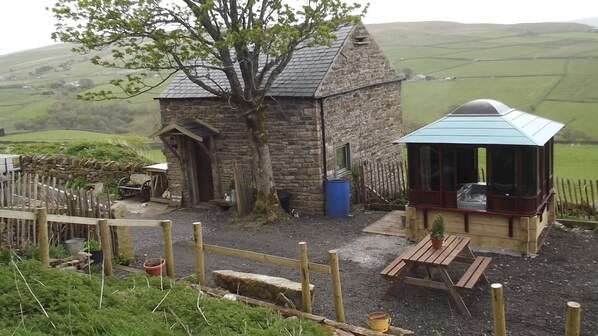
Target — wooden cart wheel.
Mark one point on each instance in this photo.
(145, 191)
(121, 183)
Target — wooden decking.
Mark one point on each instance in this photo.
(390, 224)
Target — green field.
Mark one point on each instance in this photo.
(54, 136)
(549, 69)
(576, 161)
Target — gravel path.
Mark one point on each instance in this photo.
(536, 288)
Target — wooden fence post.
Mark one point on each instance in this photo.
(42, 227)
(336, 286)
(498, 310)
(167, 228)
(106, 245)
(200, 270)
(306, 293)
(572, 319)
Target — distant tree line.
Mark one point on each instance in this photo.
(112, 118)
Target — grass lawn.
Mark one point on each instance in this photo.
(576, 161)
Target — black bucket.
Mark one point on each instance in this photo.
(285, 199)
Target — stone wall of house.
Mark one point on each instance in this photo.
(362, 104)
(295, 147)
(368, 121)
(360, 63)
(67, 168)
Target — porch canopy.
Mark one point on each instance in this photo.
(193, 128)
(443, 159)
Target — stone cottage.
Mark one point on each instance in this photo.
(331, 108)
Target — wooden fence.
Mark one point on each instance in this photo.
(27, 192)
(576, 198)
(572, 315)
(383, 182)
(44, 221)
(302, 264)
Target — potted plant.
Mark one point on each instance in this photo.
(437, 232)
(95, 248)
(154, 266)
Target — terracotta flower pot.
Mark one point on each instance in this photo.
(437, 242)
(154, 267)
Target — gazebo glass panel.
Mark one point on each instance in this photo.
(429, 168)
(503, 171)
(448, 169)
(529, 172)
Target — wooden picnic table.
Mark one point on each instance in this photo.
(455, 249)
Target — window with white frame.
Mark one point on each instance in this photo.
(343, 157)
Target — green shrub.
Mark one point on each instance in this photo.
(58, 252)
(121, 259)
(437, 230)
(93, 245)
(79, 182)
(120, 150)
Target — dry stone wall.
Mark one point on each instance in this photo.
(68, 168)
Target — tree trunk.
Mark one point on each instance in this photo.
(267, 202)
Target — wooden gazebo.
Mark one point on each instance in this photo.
(506, 209)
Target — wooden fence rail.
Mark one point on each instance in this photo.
(43, 221)
(302, 264)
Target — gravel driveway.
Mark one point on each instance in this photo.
(536, 288)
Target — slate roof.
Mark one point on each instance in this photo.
(486, 122)
(301, 77)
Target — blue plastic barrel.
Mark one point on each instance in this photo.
(337, 198)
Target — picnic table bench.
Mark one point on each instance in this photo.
(455, 249)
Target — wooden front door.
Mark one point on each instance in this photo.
(203, 169)
(198, 180)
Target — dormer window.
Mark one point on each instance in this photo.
(361, 39)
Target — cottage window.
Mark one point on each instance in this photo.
(343, 161)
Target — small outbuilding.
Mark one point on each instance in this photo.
(505, 207)
(332, 107)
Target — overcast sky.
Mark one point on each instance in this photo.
(25, 24)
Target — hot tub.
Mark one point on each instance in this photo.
(472, 196)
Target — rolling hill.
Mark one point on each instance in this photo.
(550, 69)
(38, 89)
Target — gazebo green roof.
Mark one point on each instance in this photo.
(486, 122)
